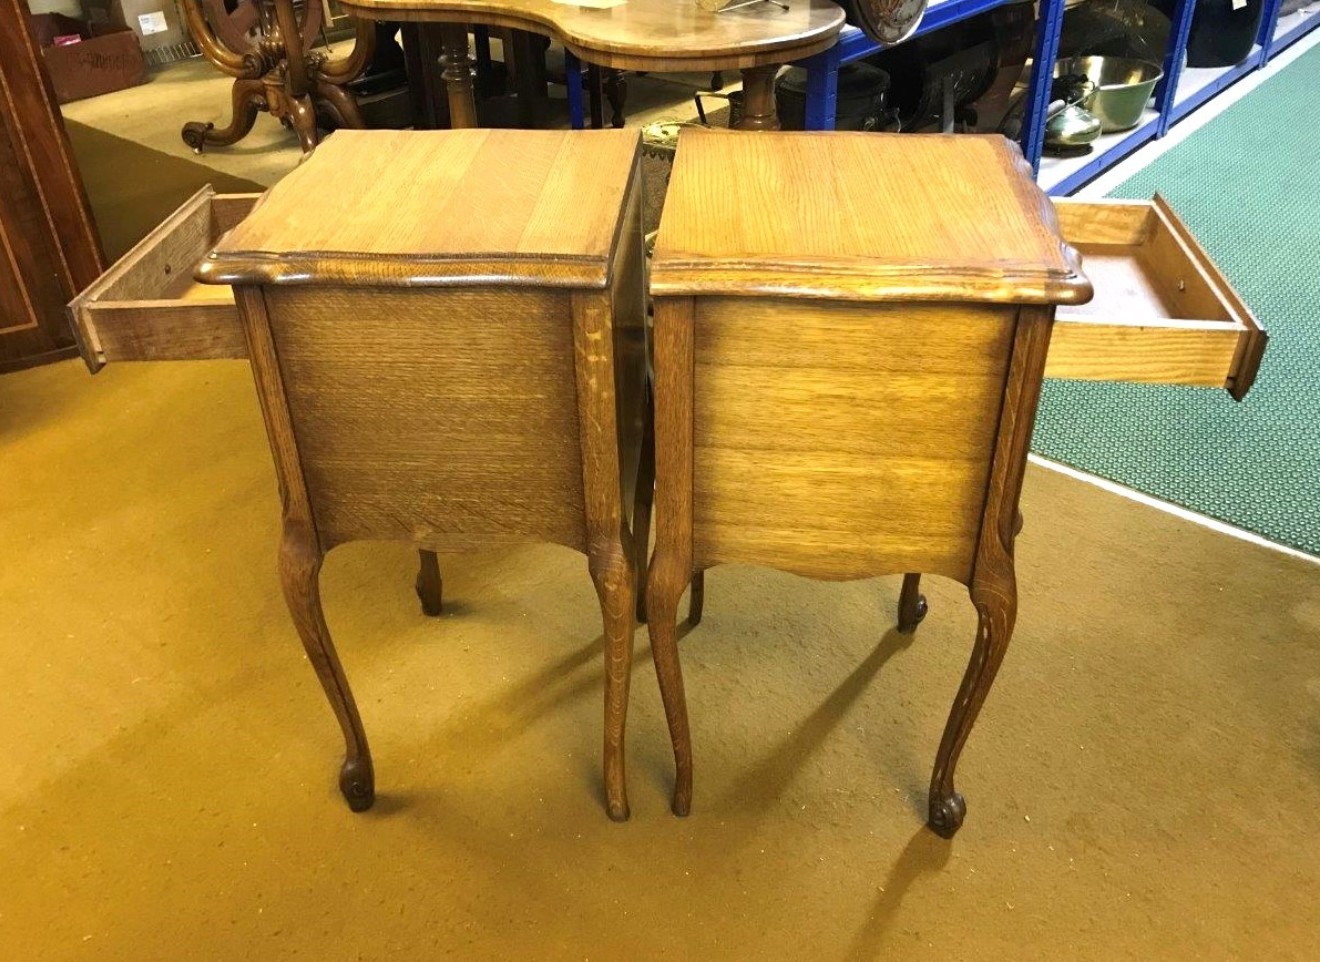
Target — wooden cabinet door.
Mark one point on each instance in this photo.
(49, 249)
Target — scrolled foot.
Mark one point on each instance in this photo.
(908, 620)
(194, 134)
(357, 781)
(947, 814)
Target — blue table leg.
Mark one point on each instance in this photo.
(1180, 29)
(1048, 34)
(573, 81)
(822, 91)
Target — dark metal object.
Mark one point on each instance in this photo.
(889, 21)
(863, 91)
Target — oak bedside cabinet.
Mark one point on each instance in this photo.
(849, 339)
(447, 335)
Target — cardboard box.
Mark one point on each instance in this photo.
(107, 58)
(157, 23)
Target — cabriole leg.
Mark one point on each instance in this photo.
(430, 587)
(911, 604)
(997, 611)
(300, 568)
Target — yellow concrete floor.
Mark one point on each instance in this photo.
(1143, 783)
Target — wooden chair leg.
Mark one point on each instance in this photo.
(911, 604)
(663, 588)
(643, 502)
(300, 568)
(696, 598)
(997, 610)
(615, 579)
(430, 587)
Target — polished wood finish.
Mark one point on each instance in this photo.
(886, 221)
(279, 72)
(555, 226)
(1163, 312)
(844, 395)
(646, 35)
(456, 380)
(446, 375)
(49, 249)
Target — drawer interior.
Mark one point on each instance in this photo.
(148, 307)
(1162, 311)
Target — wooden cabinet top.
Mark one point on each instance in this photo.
(439, 208)
(861, 217)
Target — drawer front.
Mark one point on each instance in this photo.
(435, 416)
(1163, 313)
(147, 307)
(842, 441)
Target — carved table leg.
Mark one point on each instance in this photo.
(997, 610)
(457, 75)
(911, 604)
(671, 565)
(343, 103)
(300, 568)
(610, 552)
(759, 99)
(616, 92)
(302, 115)
(249, 99)
(430, 587)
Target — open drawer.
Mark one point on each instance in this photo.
(1162, 312)
(147, 307)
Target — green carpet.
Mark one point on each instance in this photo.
(1248, 186)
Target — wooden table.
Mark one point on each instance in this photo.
(645, 35)
(850, 336)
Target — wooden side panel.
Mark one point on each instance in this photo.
(48, 243)
(1172, 352)
(628, 306)
(842, 441)
(441, 417)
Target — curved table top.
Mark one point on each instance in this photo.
(656, 35)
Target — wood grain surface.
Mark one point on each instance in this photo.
(434, 417)
(654, 35)
(147, 307)
(49, 248)
(1162, 314)
(861, 216)
(820, 448)
(542, 208)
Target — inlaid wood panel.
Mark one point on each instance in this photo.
(49, 249)
(461, 429)
(835, 441)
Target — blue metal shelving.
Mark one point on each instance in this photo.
(1181, 91)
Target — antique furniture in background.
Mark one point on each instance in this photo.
(644, 35)
(447, 375)
(843, 394)
(46, 227)
(276, 70)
